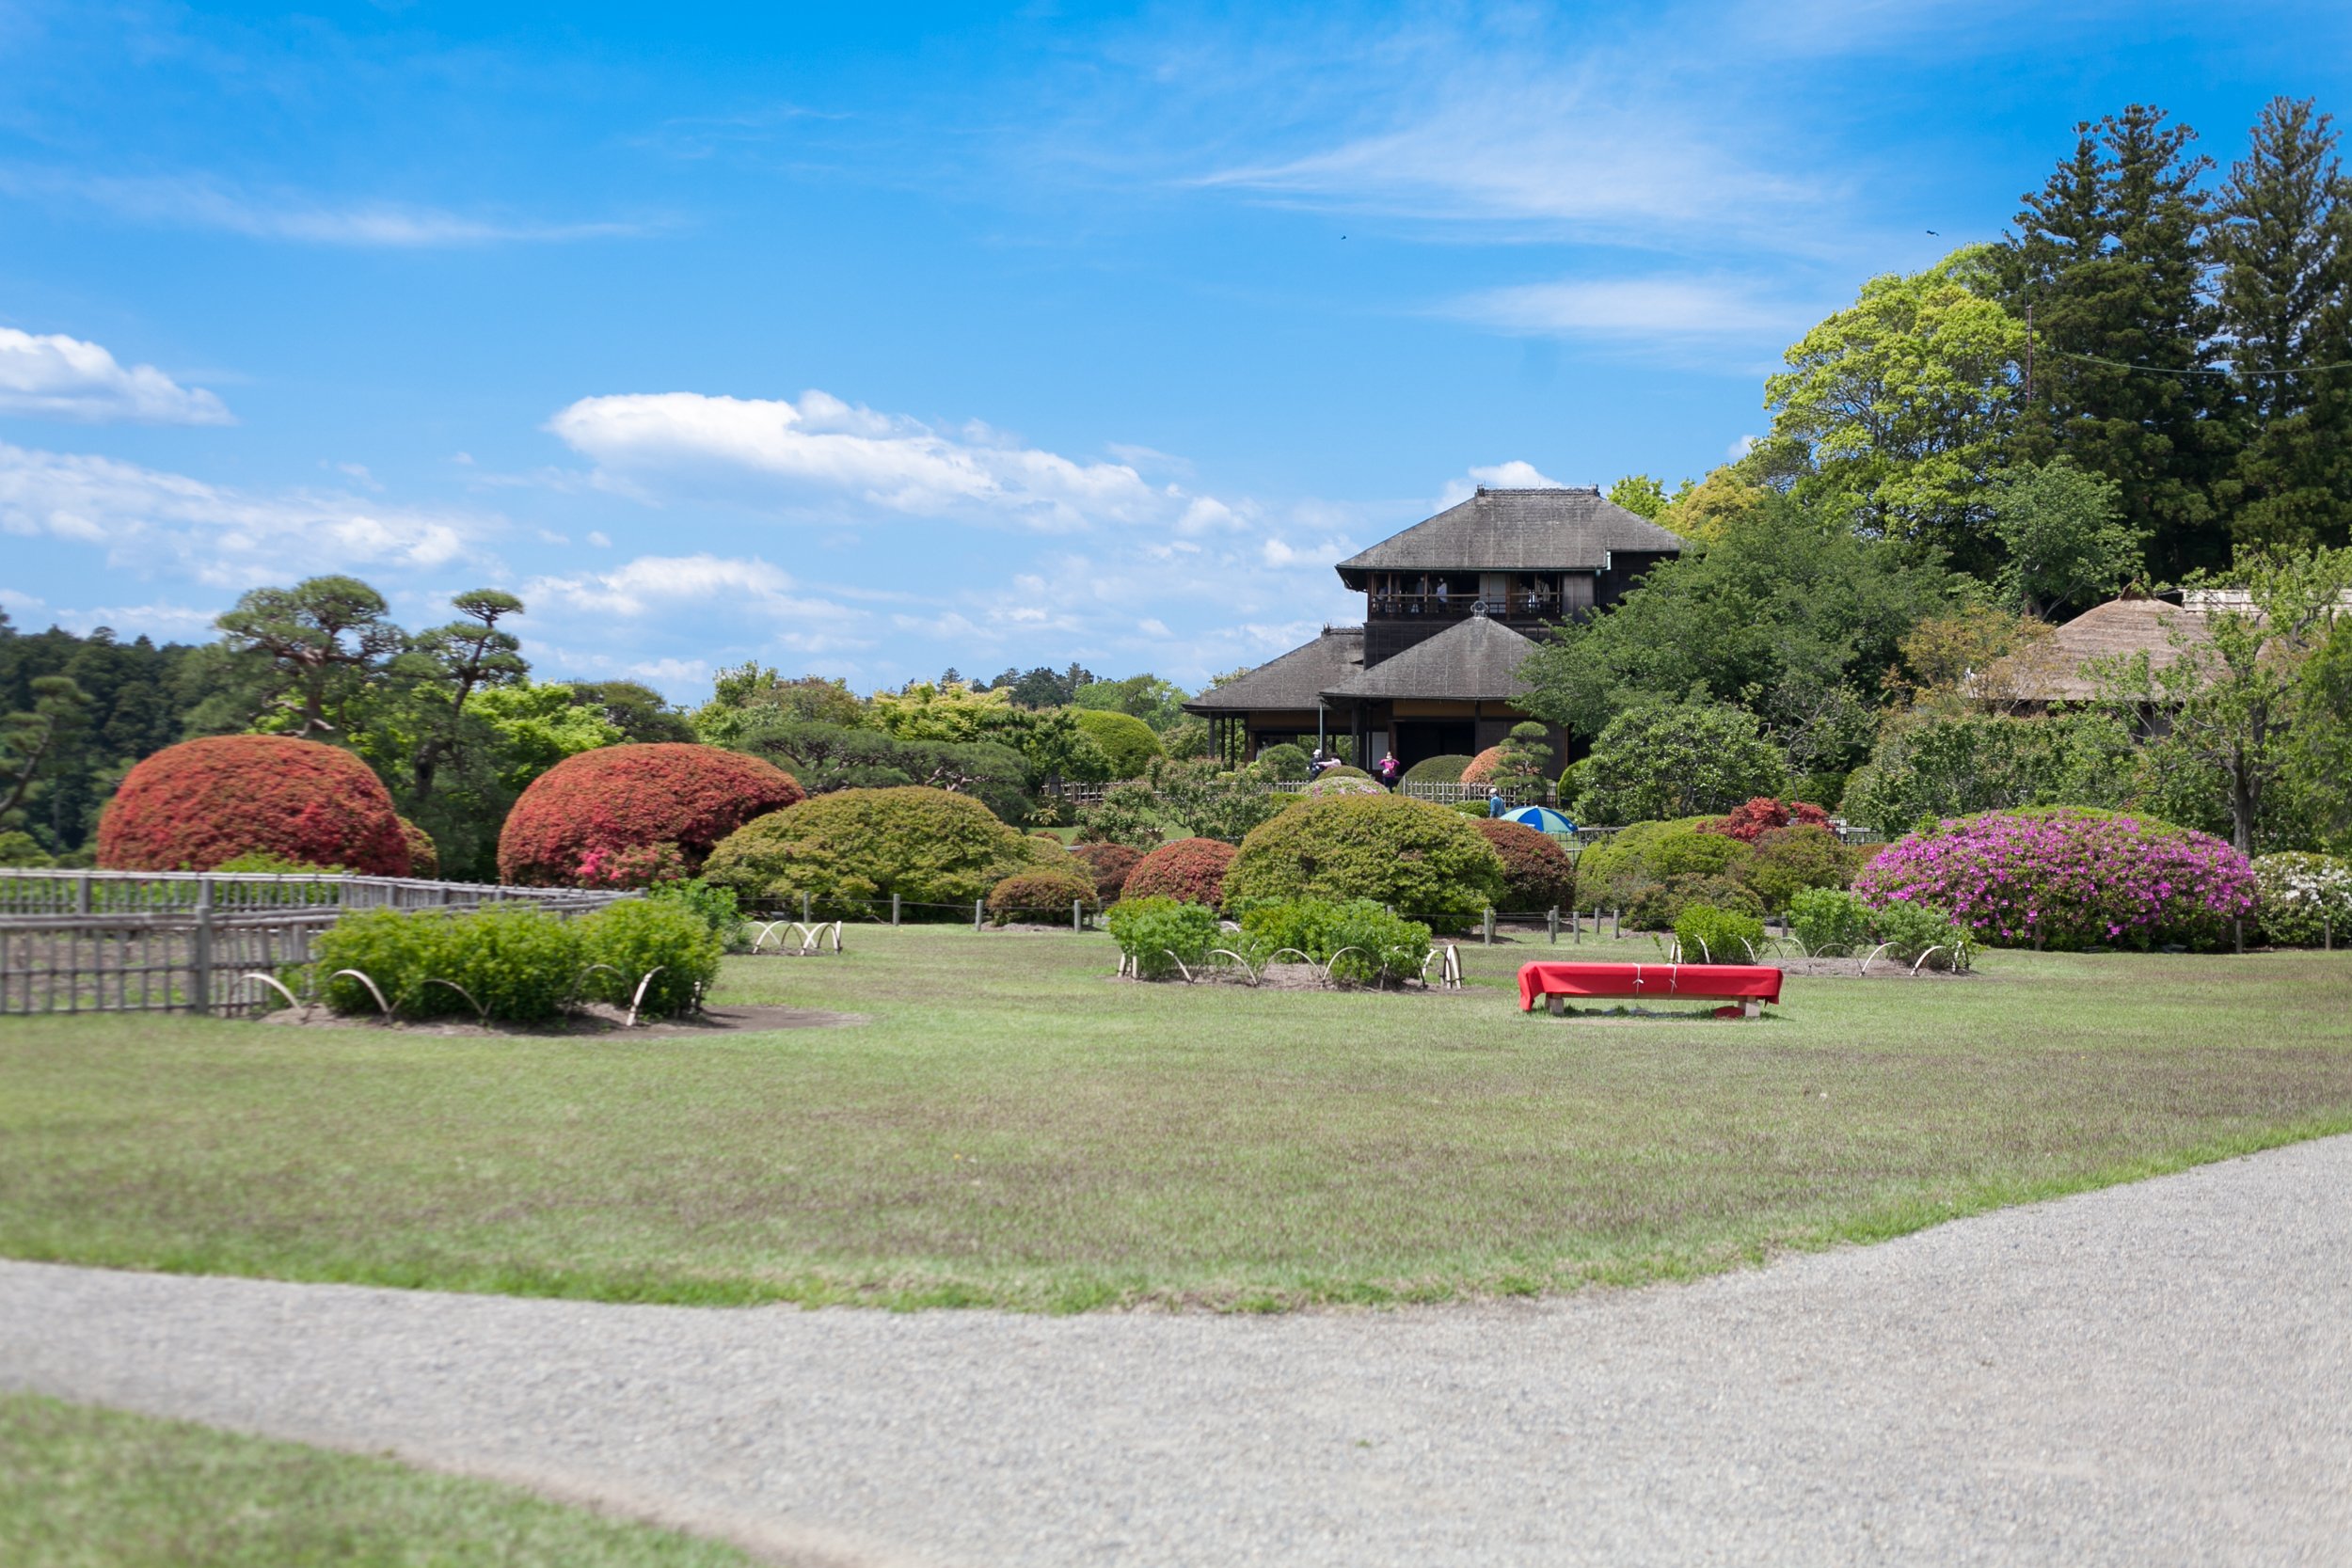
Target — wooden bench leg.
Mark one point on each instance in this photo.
(1559, 1006)
(1752, 1008)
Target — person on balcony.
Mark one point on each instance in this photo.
(1441, 595)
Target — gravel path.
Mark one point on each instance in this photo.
(2159, 1372)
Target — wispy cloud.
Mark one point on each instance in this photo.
(1680, 307)
(746, 591)
(818, 450)
(148, 520)
(201, 201)
(57, 377)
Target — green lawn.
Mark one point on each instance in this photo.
(84, 1488)
(1013, 1127)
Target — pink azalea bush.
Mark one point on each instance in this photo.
(2067, 877)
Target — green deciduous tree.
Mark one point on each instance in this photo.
(2227, 703)
(2066, 546)
(1892, 413)
(1788, 613)
(1665, 760)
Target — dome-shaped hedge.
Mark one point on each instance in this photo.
(1042, 895)
(2067, 877)
(857, 845)
(191, 806)
(1437, 769)
(622, 802)
(1191, 871)
(1481, 769)
(1537, 874)
(1110, 864)
(1431, 864)
(1127, 741)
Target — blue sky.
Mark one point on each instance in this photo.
(867, 339)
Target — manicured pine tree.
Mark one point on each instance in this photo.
(2109, 256)
(2284, 292)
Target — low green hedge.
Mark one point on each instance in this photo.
(1158, 933)
(1042, 895)
(516, 962)
(1360, 941)
(1709, 935)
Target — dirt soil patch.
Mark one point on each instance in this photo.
(1287, 977)
(1851, 969)
(594, 1019)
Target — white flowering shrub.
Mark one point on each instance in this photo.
(2302, 901)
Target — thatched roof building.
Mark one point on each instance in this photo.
(2061, 667)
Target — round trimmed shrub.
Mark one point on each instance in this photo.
(425, 856)
(1715, 936)
(1109, 865)
(1620, 867)
(1442, 769)
(1191, 871)
(1043, 894)
(1283, 761)
(861, 846)
(1429, 863)
(635, 937)
(1481, 769)
(1784, 861)
(1537, 874)
(1127, 741)
(1342, 770)
(2068, 877)
(609, 809)
(191, 806)
(2304, 900)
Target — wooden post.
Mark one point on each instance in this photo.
(803, 908)
(1552, 920)
(1487, 932)
(980, 910)
(1077, 915)
(2238, 931)
(201, 950)
(81, 894)
(1616, 923)
(894, 909)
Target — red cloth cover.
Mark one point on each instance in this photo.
(1647, 981)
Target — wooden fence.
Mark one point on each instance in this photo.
(79, 942)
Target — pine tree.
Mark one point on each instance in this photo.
(2108, 256)
(2284, 293)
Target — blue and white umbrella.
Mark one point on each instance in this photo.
(1542, 818)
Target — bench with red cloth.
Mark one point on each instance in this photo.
(1749, 985)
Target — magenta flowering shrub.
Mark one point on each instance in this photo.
(2067, 877)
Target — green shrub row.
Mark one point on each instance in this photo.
(516, 962)
(1359, 939)
(1833, 923)
(1158, 933)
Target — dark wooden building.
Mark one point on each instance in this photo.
(1453, 605)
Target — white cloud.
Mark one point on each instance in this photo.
(715, 588)
(597, 537)
(1517, 474)
(201, 201)
(1741, 447)
(148, 519)
(820, 450)
(1632, 307)
(53, 376)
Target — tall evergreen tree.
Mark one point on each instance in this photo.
(2284, 294)
(2109, 258)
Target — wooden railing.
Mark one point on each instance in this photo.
(78, 942)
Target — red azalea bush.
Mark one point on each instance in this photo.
(622, 798)
(1763, 815)
(1191, 871)
(1110, 864)
(191, 806)
(1481, 769)
(1537, 874)
(2067, 877)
